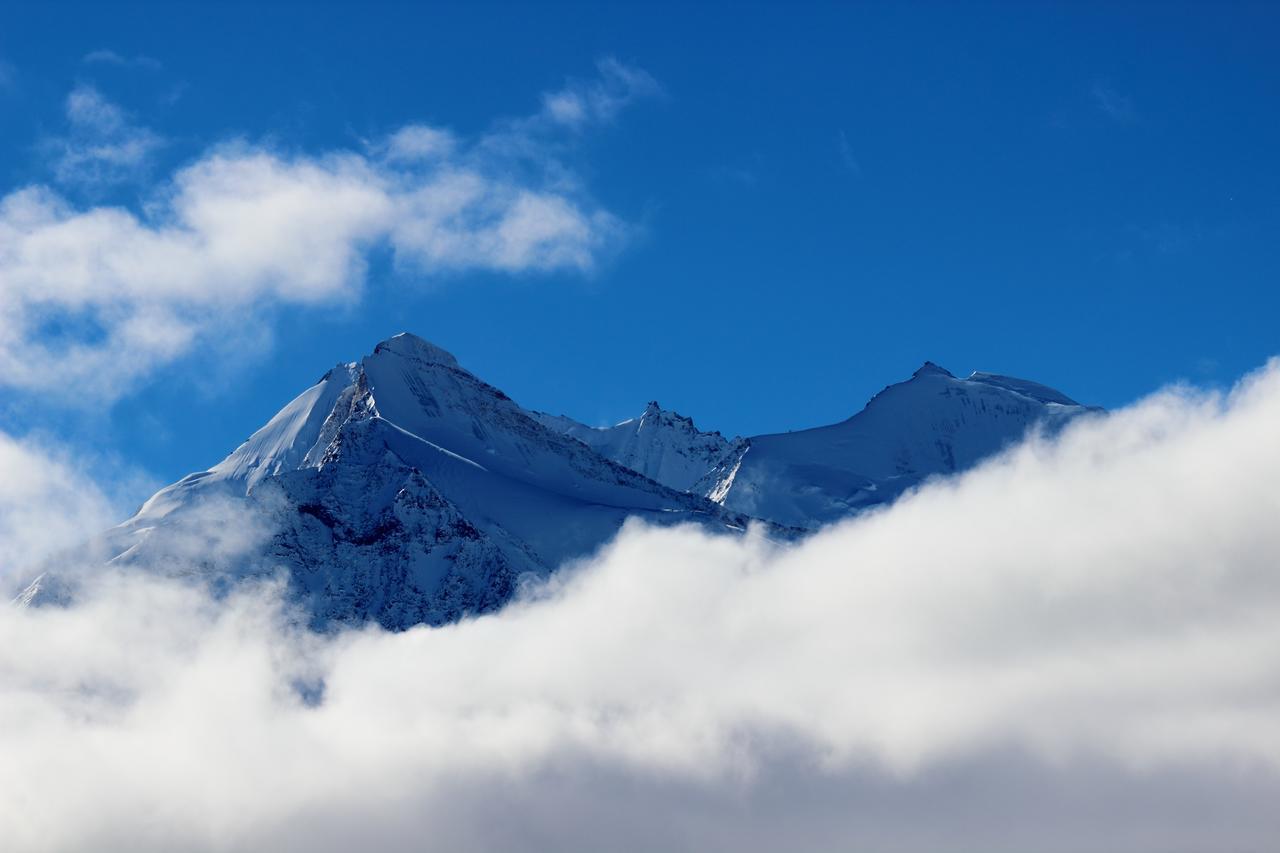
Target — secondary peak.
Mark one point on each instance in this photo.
(412, 346)
(931, 369)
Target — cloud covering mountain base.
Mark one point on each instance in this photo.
(1074, 646)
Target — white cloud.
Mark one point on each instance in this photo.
(583, 102)
(1114, 105)
(110, 57)
(1072, 647)
(245, 227)
(103, 146)
(87, 108)
(47, 503)
(416, 142)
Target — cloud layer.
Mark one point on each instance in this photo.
(1076, 646)
(46, 504)
(96, 297)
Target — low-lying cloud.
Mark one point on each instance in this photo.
(1074, 647)
(95, 297)
(47, 503)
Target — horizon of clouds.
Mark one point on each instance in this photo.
(98, 297)
(1072, 646)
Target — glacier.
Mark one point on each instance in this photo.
(402, 489)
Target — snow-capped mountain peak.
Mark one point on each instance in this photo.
(931, 369)
(409, 345)
(403, 488)
(1034, 390)
(661, 444)
(931, 424)
(400, 488)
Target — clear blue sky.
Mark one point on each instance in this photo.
(819, 199)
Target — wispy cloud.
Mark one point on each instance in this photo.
(110, 57)
(742, 175)
(744, 171)
(103, 145)
(418, 143)
(1071, 647)
(89, 110)
(599, 100)
(1113, 104)
(847, 158)
(97, 297)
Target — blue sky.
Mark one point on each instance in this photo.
(770, 211)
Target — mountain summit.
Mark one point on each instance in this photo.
(404, 489)
(932, 424)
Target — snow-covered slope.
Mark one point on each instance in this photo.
(403, 489)
(934, 423)
(660, 444)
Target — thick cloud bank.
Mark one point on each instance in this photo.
(1075, 647)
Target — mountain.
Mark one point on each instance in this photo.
(403, 489)
(932, 424)
(662, 445)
